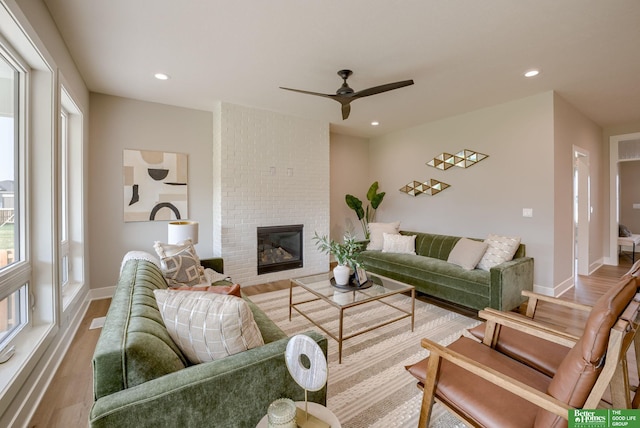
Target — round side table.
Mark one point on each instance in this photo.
(315, 409)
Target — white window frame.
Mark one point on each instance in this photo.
(37, 266)
(70, 176)
(16, 277)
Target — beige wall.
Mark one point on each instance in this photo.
(121, 123)
(571, 129)
(607, 133)
(630, 195)
(349, 175)
(487, 197)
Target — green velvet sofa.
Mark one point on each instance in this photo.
(431, 274)
(142, 379)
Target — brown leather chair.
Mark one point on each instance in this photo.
(485, 387)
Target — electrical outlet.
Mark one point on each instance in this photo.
(527, 212)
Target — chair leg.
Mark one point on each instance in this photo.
(430, 383)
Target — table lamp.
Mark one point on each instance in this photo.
(178, 231)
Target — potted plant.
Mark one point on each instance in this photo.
(368, 214)
(345, 254)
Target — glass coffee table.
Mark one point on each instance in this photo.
(320, 286)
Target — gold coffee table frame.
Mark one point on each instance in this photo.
(320, 286)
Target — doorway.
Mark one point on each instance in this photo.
(581, 210)
(621, 148)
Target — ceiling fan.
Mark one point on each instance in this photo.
(344, 95)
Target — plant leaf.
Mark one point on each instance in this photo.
(377, 200)
(355, 204)
(372, 191)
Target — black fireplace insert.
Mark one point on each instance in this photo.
(279, 248)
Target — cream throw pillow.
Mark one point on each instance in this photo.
(208, 326)
(376, 239)
(467, 253)
(500, 249)
(395, 243)
(180, 264)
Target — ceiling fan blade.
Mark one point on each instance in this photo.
(346, 109)
(381, 88)
(309, 92)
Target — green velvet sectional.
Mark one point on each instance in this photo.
(142, 379)
(431, 274)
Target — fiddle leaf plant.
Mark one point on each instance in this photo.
(368, 214)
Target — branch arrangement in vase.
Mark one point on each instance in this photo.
(345, 253)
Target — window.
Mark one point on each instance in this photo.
(70, 224)
(14, 270)
(64, 198)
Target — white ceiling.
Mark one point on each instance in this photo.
(462, 54)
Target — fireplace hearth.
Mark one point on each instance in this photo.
(279, 248)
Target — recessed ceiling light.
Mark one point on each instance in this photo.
(531, 73)
(161, 76)
(375, 123)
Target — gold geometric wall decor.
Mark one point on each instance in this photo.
(430, 187)
(462, 159)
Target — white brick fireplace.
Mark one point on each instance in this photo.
(269, 170)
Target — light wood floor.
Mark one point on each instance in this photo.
(68, 400)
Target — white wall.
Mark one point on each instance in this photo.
(269, 170)
(487, 197)
(121, 123)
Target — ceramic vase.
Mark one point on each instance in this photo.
(341, 274)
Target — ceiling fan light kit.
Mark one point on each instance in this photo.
(345, 94)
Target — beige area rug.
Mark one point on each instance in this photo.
(371, 388)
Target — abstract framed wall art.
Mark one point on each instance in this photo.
(155, 185)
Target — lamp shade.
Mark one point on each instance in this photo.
(180, 230)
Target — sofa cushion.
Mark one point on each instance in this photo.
(396, 243)
(376, 239)
(436, 246)
(434, 276)
(541, 354)
(233, 290)
(180, 263)
(467, 253)
(500, 249)
(208, 326)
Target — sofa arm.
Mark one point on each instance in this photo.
(508, 280)
(235, 391)
(215, 263)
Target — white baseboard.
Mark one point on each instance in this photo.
(101, 293)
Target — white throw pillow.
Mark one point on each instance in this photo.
(376, 240)
(180, 264)
(208, 326)
(394, 243)
(500, 249)
(467, 253)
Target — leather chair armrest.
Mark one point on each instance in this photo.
(534, 298)
(524, 324)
